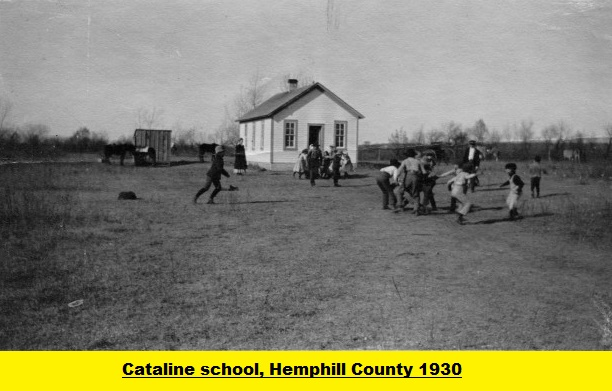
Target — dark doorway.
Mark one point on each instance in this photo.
(315, 134)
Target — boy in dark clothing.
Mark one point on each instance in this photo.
(516, 189)
(213, 176)
(314, 157)
(336, 163)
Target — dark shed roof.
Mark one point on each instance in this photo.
(280, 101)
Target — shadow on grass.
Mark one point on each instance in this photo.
(357, 176)
(478, 209)
(259, 202)
(161, 165)
(183, 163)
(492, 189)
(554, 195)
(373, 184)
(501, 220)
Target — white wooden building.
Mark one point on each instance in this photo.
(276, 131)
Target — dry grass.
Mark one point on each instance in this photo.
(604, 321)
(281, 265)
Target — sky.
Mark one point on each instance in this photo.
(402, 64)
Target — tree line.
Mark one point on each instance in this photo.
(553, 137)
(37, 140)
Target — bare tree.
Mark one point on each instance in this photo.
(564, 132)
(149, 119)
(549, 133)
(454, 133)
(506, 133)
(435, 136)
(608, 129)
(398, 139)
(419, 136)
(5, 109)
(250, 96)
(34, 134)
(228, 131)
(479, 131)
(494, 137)
(525, 133)
(184, 137)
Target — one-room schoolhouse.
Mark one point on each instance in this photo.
(277, 130)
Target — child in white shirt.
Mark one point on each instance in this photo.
(387, 181)
(458, 184)
(516, 189)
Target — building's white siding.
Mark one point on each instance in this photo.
(256, 135)
(316, 108)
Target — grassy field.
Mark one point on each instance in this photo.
(281, 265)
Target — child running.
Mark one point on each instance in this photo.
(458, 184)
(516, 189)
(213, 176)
(535, 174)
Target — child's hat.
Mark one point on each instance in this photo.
(219, 148)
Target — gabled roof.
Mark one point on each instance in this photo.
(280, 101)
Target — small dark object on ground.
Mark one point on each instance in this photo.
(233, 188)
(127, 195)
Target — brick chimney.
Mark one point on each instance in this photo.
(293, 83)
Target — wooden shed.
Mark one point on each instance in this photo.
(155, 143)
(276, 131)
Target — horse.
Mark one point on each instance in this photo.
(572, 155)
(203, 148)
(118, 150)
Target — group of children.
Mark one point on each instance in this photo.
(313, 163)
(413, 180)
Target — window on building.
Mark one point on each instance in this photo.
(253, 139)
(340, 134)
(261, 144)
(290, 135)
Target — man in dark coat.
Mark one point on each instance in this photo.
(472, 156)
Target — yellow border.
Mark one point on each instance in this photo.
(477, 370)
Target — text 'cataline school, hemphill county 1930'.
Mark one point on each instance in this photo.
(338, 369)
